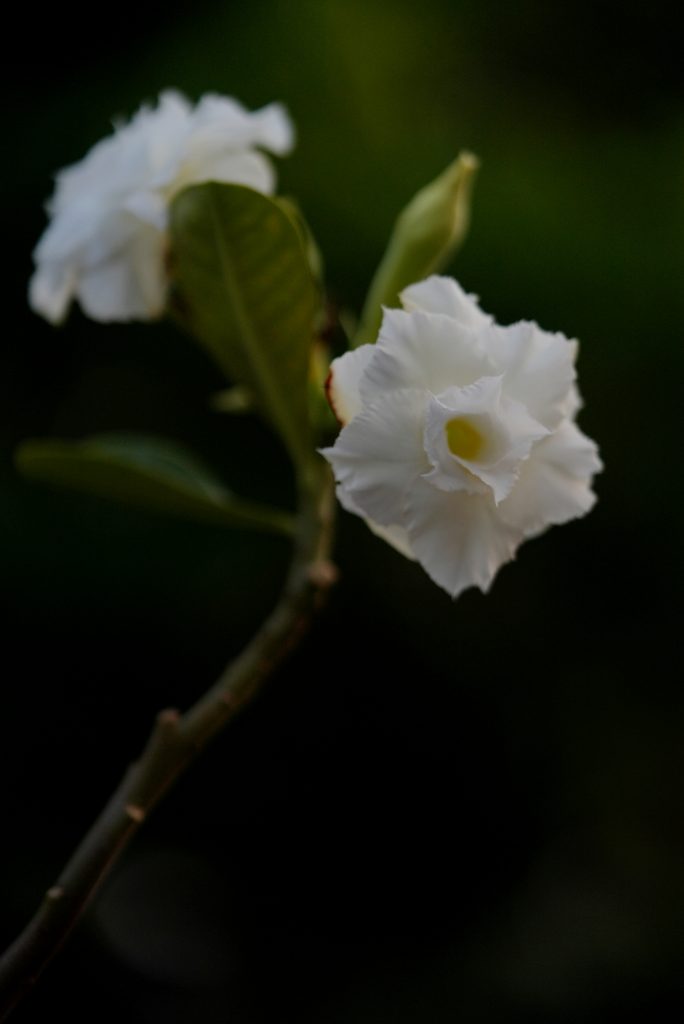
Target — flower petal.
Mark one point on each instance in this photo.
(504, 434)
(149, 207)
(110, 292)
(51, 289)
(458, 538)
(379, 453)
(131, 286)
(423, 350)
(66, 235)
(103, 206)
(444, 295)
(220, 123)
(555, 482)
(538, 366)
(141, 152)
(274, 129)
(394, 535)
(241, 167)
(343, 383)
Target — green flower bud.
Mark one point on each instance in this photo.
(426, 235)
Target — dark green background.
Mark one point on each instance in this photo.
(438, 812)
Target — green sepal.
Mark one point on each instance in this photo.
(147, 472)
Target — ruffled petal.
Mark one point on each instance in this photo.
(140, 152)
(151, 145)
(70, 231)
(123, 186)
(458, 538)
(131, 286)
(344, 379)
(148, 206)
(572, 403)
(423, 350)
(379, 453)
(237, 167)
(51, 290)
(500, 436)
(538, 368)
(110, 292)
(554, 485)
(274, 129)
(444, 295)
(394, 535)
(221, 122)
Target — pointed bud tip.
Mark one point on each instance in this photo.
(460, 172)
(468, 160)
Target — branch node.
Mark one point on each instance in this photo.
(172, 745)
(168, 717)
(135, 812)
(323, 573)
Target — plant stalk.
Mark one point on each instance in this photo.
(175, 742)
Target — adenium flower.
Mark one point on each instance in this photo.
(105, 244)
(458, 439)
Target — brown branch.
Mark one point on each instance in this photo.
(173, 744)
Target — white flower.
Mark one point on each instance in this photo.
(105, 244)
(458, 439)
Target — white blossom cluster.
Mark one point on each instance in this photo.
(458, 439)
(105, 243)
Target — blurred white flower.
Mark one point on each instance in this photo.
(458, 439)
(106, 240)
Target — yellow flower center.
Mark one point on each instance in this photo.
(464, 440)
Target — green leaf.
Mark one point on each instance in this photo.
(313, 253)
(244, 288)
(147, 472)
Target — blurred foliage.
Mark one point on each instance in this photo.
(438, 812)
(146, 472)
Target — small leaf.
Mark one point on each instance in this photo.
(147, 472)
(244, 288)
